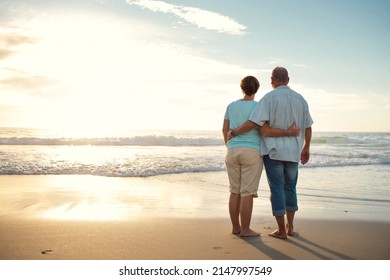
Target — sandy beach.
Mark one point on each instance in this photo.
(194, 239)
(172, 217)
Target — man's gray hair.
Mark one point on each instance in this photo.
(280, 74)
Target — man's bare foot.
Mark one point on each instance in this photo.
(248, 233)
(278, 234)
(290, 230)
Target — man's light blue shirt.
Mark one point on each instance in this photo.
(237, 113)
(282, 107)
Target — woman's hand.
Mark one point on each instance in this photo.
(293, 130)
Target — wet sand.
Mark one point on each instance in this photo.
(97, 218)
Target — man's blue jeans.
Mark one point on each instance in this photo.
(282, 179)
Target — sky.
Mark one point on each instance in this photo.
(93, 65)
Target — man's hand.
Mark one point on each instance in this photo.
(230, 135)
(305, 156)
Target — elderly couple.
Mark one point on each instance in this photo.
(276, 132)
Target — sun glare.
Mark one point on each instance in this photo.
(94, 64)
(101, 74)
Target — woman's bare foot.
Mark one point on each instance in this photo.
(278, 234)
(236, 230)
(290, 230)
(248, 233)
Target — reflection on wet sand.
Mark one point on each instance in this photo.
(95, 198)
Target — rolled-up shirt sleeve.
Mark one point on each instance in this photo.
(260, 114)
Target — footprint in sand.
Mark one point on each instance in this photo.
(220, 248)
(46, 252)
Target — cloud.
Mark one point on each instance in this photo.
(301, 65)
(201, 18)
(325, 101)
(9, 41)
(35, 84)
(14, 39)
(4, 53)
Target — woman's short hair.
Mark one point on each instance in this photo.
(249, 85)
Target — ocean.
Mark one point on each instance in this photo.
(150, 153)
(349, 169)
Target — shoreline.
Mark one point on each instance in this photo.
(169, 217)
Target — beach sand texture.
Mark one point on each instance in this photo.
(174, 218)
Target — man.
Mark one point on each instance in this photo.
(281, 108)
